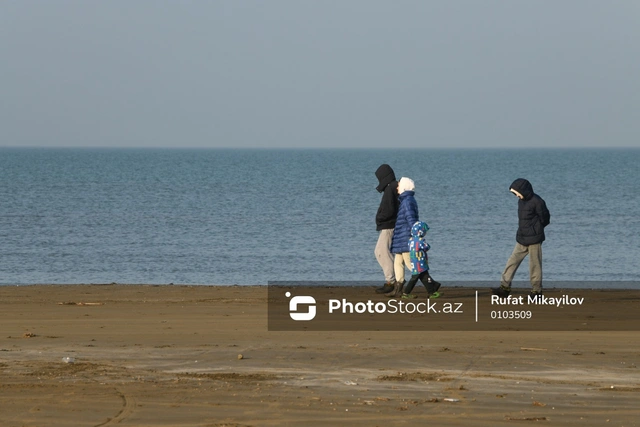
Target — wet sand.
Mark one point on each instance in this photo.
(202, 356)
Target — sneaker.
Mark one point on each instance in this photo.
(388, 287)
(435, 295)
(409, 296)
(501, 292)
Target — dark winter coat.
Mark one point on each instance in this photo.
(388, 210)
(533, 215)
(407, 216)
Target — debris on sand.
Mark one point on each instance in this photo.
(80, 303)
(526, 419)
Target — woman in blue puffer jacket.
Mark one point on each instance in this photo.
(407, 216)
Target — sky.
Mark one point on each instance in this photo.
(320, 74)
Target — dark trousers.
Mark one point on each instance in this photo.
(426, 280)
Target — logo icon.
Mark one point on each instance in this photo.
(301, 316)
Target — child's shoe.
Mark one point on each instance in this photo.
(434, 295)
(409, 296)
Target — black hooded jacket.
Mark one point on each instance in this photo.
(533, 215)
(388, 186)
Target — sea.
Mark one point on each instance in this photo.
(254, 216)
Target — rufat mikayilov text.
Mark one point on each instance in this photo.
(394, 307)
(536, 300)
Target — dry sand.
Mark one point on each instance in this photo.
(170, 356)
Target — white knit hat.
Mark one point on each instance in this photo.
(405, 184)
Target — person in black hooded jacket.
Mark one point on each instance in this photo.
(385, 223)
(533, 217)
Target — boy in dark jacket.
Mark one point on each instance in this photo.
(385, 222)
(533, 217)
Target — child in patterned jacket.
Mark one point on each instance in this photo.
(418, 248)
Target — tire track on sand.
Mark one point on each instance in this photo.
(128, 406)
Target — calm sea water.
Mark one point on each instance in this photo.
(253, 216)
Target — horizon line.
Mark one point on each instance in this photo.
(143, 147)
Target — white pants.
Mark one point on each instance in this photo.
(399, 263)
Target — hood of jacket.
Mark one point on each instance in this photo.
(405, 184)
(419, 229)
(385, 177)
(523, 187)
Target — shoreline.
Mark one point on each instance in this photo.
(519, 286)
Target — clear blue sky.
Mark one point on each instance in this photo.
(324, 73)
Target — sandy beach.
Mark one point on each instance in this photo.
(143, 355)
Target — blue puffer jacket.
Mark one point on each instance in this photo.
(407, 216)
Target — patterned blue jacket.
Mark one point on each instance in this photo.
(418, 248)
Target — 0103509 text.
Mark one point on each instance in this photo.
(511, 314)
